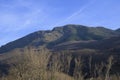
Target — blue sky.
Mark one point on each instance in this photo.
(21, 17)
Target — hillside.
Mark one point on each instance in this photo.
(105, 44)
(60, 35)
(72, 51)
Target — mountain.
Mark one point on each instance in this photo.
(60, 35)
(118, 31)
(108, 44)
(70, 46)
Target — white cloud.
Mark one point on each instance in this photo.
(15, 21)
(30, 20)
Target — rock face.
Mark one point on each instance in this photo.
(60, 35)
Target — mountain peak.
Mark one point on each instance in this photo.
(60, 35)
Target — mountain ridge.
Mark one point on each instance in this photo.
(70, 42)
(60, 35)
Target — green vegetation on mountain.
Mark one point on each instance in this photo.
(60, 35)
(76, 52)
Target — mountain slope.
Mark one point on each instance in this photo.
(60, 35)
(118, 31)
(67, 46)
(111, 44)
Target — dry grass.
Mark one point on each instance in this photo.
(33, 65)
